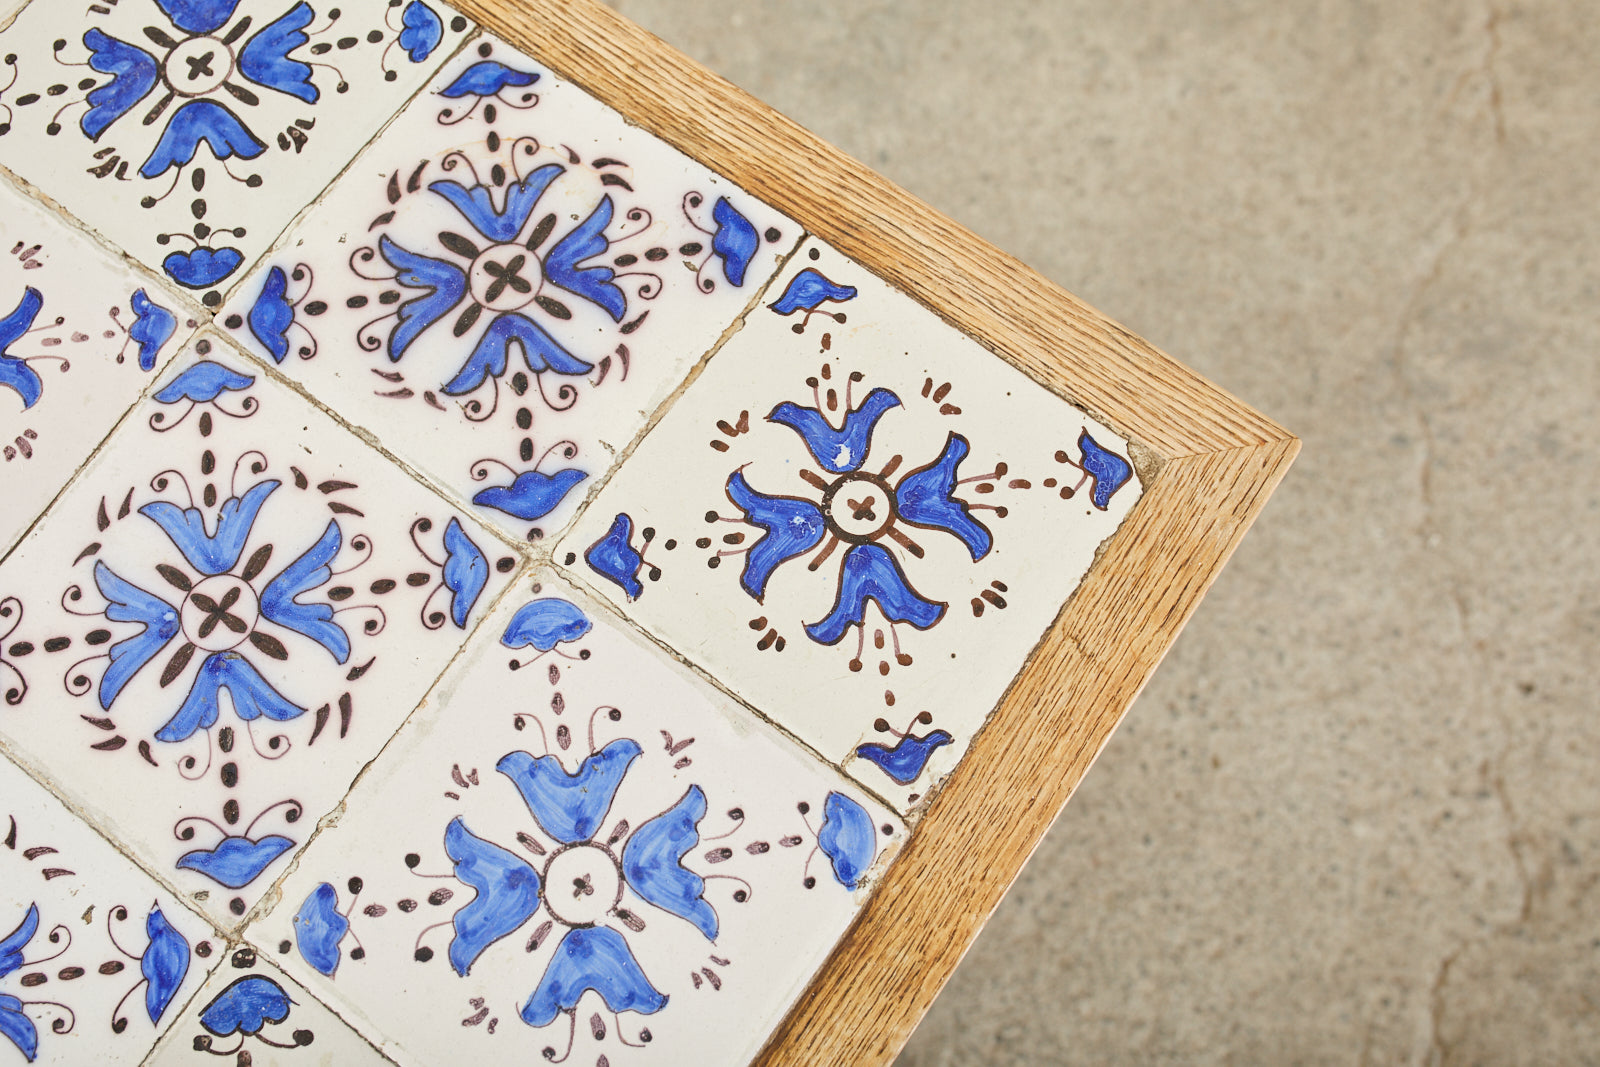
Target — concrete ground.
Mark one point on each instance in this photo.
(1353, 819)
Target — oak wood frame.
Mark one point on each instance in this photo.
(1208, 462)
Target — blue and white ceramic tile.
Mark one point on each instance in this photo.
(252, 1013)
(190, 132)
(508, 284)
(859, 521)
(96, 959)
(578, 850)
(80, 336)
(224, 618)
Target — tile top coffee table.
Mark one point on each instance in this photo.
(511, 549)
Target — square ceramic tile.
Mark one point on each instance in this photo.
(858, 521)
(81, 335)
(578, 850)
(507, 284)
(224, 618)
(96, 959)
(189, 132)
(251, 1013)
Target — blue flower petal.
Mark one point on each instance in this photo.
(793, 526)
(570, 807)
(202, 267)
(540, 351)
(18, 1027)
(318, 929)
(207, 553)
(923, 499)
(651, 863)
(164, 964)
(736, 241)
(837, 450)
(198, 16)
(304, 574)
(904, 762)
(586, 241)
(237, 861)
(446, 284)
(595, 959)
(422, 31)
(15, 373)
(196, 121)
(508, 893)
(545, 623)
(246, 1006)
(17, 940)
(847, 838)
(265, 58)
(126, 602)
(485, 78)
(613, 557)
(869, 572)
(133, 74)
(466, 572)
(477, 203)
(272, 315)
(532, 494)
(808, 290)
(203, 383)
(253, 697)
(153, 326)
(1109, 470)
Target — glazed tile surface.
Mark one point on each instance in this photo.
(854, 527)
(230, 539)
(475, 585)
(81, 335)
(189, 132)
(507, 284)
(95, 958)
(578, 848)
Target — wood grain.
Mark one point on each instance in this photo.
(1212, 463)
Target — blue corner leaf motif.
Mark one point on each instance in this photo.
(236, 861)
(546, 623)
(271, 315)
(735, 242)
(153, 326)
(791, 526)
(310, 571)
(486, 78)
(532, 494)
(614, 558)
(598, 960)
(197, 122)
(319, 927)
(586, 241)
(164, 963)
(924, 499)
(252, 696)
(466, 572)
(126, 602)
(652, 863)
(246, 1006)
(15, 374)
(507, 894)
(206, 552)
(133, 71)
(905, 761)
(1109, 471)
(869, 572)
(421, 31)
(203, 383)
(570, 807)
(202, 267)
(847, 838)
(843, 449)
(809, 290)
(265, 57)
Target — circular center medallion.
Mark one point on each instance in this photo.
(582, 883)
(505, 278)
(859, 507)
(197, 66)
(219, 613)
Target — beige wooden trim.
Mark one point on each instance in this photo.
(1210, 464)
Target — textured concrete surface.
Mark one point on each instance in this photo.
(1354, 818)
